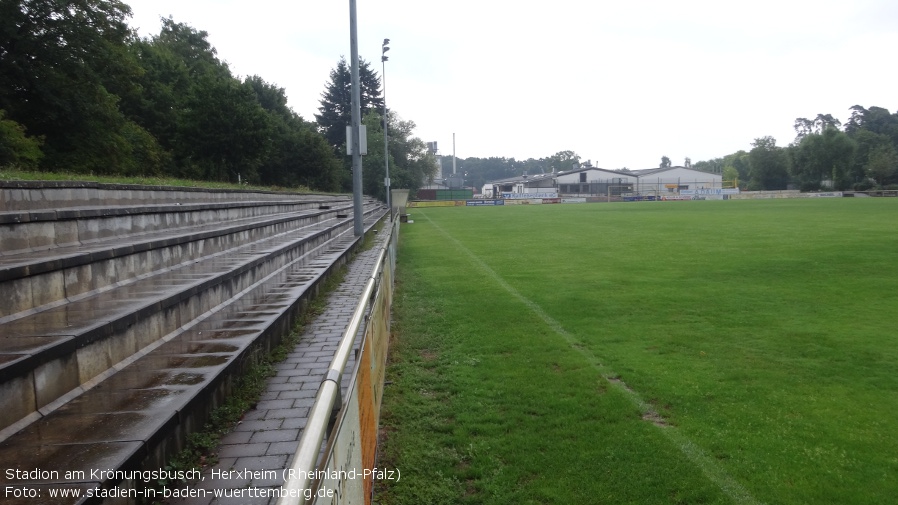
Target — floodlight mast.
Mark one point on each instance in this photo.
(383, 61)
(358, 218)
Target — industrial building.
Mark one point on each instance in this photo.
(592, 181)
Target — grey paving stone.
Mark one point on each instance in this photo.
(260, 425)
(303, 402)
(262, 462)
(288, 448)
(243, 450)
(297, 393)
(287, 413)
(283, 435)
(236, 437)
(280, 387)
(295, 422)
(273, 404)
(253, 415)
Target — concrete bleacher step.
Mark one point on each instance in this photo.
(51, 349)
(50, 272)
(36, 195)
(47, 353)
(117, 376)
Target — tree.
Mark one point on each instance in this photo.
(411, 164)
(826, 155)
(299, 155)
(768, 165)
(883, 165)
(63, 66)
(687, 162)
(874, 119)
(730, 175)
(804, 126)
(165, 84)
(665, 162)
(714, 166)
(563, 161)
(335, 112)
(824, 122)
(16, 148)
(738, 161)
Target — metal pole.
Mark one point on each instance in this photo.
(383, 61)
(358, 221)
(453, 154)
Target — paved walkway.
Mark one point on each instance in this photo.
(253, 456)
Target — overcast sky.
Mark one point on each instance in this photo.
(619, 83)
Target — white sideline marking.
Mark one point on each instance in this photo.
(694, 453)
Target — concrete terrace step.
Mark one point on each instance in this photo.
(47, 353)
(40, 277)
(36, 230)
(37, 195)
(116, 378)
(139, 416)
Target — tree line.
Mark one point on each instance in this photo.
(861, 154)
(81, 92)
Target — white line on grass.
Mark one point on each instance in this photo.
(694, 453)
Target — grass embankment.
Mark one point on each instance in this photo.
(681, 352)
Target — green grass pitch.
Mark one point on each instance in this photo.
(652, 352)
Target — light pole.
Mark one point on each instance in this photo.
(356, 121)
(383, 62)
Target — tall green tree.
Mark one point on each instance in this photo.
(665, 162)
(411, 164)
(562, 161)
(335, 112)
(63, 66)
(17, 149)
(299, 155)
(224, 133)
(824, 156)
(739, 161)
(876, 120)
(804, 126)
(165, 89)
(882, 165)
(714, 166)
(730, 175)
(213, 126)
(768, 165)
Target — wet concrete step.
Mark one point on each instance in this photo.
(41, 195)
(26, 231)
(48, 353)
(43, 277)
(139, 416)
